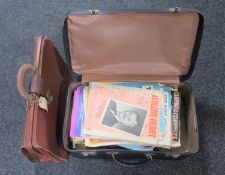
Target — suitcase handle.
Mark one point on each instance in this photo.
(20, 80)
(129, 164)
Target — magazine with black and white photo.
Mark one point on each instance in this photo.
(124, 117)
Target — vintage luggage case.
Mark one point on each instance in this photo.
(126, 45)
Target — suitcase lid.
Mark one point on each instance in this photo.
(133, 44)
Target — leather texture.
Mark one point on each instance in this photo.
(124, 46)
(42, 140)
(37, 86)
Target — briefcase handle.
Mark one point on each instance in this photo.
(130, 164)
(20, 80)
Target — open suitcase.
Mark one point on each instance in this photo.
(126, 45)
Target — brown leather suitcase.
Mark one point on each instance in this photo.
(123, 45)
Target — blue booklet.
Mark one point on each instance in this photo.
(136, 147)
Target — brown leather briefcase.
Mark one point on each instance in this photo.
(127, 45)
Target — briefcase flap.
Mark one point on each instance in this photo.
(42, 139)
(138, 43)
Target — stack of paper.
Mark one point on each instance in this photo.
(134, 115)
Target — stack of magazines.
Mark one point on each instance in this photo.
(133, 115)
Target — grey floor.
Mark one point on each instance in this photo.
(21, 20)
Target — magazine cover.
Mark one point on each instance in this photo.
(74, 112)
(176, 119)
(122, 113)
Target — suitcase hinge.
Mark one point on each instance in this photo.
(174, 9)
(93, 12)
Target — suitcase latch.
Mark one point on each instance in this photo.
(148, 155)
(175, 156)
